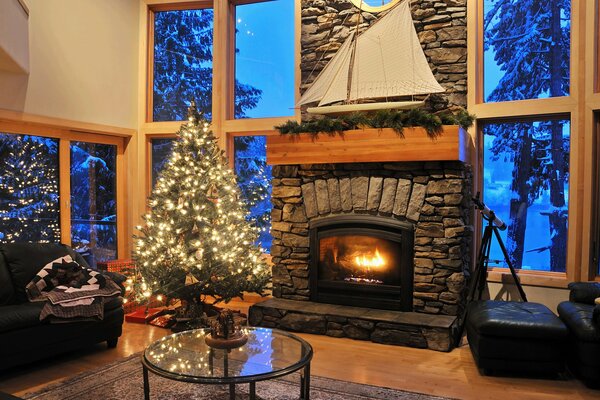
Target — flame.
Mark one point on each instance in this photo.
(370, 262)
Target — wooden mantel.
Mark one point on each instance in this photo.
(369, 145)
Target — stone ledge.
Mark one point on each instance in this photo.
(382, 326)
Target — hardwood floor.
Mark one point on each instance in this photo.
(444, 374)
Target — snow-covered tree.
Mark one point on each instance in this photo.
(196, 241)
(183, 66)
(28, 189)
(531, 41)
(254, 179)
(93, 197)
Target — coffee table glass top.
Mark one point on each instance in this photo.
(268, 353)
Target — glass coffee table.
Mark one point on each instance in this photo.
(268, 354)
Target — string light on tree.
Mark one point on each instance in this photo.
(28, 189)
(196, 241)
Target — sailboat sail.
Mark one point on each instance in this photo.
(333, 80)
(388, 62)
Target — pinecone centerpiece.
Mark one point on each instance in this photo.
(225, 332)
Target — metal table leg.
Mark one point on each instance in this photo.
(252, 391)
(305, 383)
(146, 384)
(231, 391)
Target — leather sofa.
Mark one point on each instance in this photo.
(582, 317)
(23, 338)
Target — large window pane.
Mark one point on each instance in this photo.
(29, 202)
(526, 49)
(264, 61)
(183, 46)
(526, 182)
(161, 150)
(254, 178)
(94, 200)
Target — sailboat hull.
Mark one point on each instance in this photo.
(365, 107)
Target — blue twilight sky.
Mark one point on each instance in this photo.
(265, 57)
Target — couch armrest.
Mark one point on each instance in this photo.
(596, 316)
(119, 279)
(584, 292)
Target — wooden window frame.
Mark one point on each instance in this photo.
(70, 131)
(596, 38)
(224, 125)
(579, 105)
(527, 277)
(595, 231)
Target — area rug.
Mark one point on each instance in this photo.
(123, 380)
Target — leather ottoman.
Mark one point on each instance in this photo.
(516, 337)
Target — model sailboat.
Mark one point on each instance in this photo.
(385, 61)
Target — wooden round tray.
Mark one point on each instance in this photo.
(231, 343)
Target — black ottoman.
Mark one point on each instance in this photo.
(516, 337)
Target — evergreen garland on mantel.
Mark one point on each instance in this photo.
(394, 119)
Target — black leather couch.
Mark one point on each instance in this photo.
(582, 317)
(23, 338)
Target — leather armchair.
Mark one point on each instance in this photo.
(582, 317)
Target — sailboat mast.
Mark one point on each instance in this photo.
(353, 54)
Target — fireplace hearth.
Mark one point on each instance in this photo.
(363, 261)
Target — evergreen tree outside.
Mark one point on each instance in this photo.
(93, 199)
(196, 241)
(29, 206)
(183, 42)
(530, 44)
(254, 180)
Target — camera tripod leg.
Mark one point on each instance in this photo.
(480, 273)
(510, 266)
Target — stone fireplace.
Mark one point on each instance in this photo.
(373, 251)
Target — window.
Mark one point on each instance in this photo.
(183, 64)
(526, 183)
(94, 200)
(61, 189)
(526, 49)
(183, 47)
(532, 85)
(29, 207)
(254, 178)
(243, 81)
(263, 38)
(161, 149)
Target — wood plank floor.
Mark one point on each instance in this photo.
(451, 374)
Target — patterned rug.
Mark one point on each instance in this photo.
(123, 380)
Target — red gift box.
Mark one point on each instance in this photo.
(143, 315)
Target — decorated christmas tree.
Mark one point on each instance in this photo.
(196, 245)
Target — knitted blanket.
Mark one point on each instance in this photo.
(70, 292)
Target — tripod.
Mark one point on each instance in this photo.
(483, 259)
(480, 274)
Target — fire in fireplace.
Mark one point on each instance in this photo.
(362, 261)
(359, 259)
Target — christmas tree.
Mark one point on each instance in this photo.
(196, 244)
